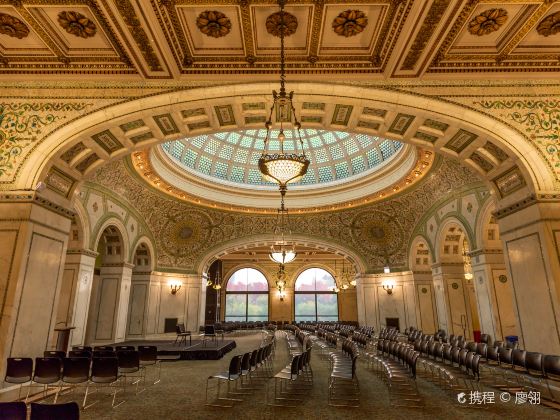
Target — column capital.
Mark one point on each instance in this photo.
(482, 251)
(86, 252)
(33, 197)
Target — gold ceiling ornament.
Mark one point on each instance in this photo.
(12, 26)
(488, 21)
(550, 25)
(77, 24)
(281, 20)
(213, 23)
(350, 23)
(278, 166)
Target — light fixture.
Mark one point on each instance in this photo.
(281, 282)
(175, 286)
(467, 267)
(282, 251)
(386, 269)
(277, 165)
(217, 283)
(388, 286)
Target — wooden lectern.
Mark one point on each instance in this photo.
(63, 337)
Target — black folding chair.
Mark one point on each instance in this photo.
(47, 372)
(104, 373)
(75, 371)
(148, 357)
(68, 411)
(19, 370)
(15, 410)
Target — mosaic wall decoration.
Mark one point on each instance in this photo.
(254, 119)
(59, 182)
(495, 151)
(341, 114)
(510, 181)
(488, 21)
(401, 123)
(142, 137)
(198, 125)
(481, 162)
(23, 125)
(311, 119)
(253, 106)
(195, 112)
(374, 112)
(318, 106)
(12, 26)
(213, 23)
(539, 120)
(77, 24)
(107, 141)
(460, 140)
(436, 125)
(349, 23)
(74, 151)
(166, 124)
(368, 124)
(87, 162)
(426, 137)
(225, 115)
(132, 125)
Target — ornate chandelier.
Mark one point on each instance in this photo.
(279, 166)
(281, 282)
(282, 251)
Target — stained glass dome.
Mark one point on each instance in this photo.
(233, 155)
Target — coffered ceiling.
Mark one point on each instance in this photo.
(175, 39)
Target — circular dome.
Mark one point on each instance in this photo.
(232, 156)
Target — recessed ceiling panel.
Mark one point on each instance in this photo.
(267, 44)
(18, 37)
(351, 29)
(212, 29)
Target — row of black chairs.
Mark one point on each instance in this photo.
(82, 367)
(361, 339)
(297, 377)
(17, 410)
(396, 363)
(244, 373)
(344, 389)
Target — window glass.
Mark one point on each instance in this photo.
(315, 299)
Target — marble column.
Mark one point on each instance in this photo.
(453, 299)
(74, 299)
(494, 293)
(426, 314)
(33, 237)
(107, 319)
(530, 231)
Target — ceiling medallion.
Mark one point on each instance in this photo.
(274, 24)
(550, 25)
(488, 21)
(77, 24)
(12, 26)
(350, 23)
(213, 23)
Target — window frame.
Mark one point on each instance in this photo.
(247, 293)
(316, 293)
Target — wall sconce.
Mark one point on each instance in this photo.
(388, 286)
(175, 286)
(386, 269)
(281, 294)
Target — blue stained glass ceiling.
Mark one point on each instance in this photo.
(232, 155)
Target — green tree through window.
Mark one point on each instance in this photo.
(315, 299)
(247, 296)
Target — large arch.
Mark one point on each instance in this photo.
(225, 248)
(447, 128)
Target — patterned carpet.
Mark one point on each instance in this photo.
(180, 395)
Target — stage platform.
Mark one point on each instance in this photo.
(198, 350)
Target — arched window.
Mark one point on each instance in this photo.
(315, 299)
(247, 296)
